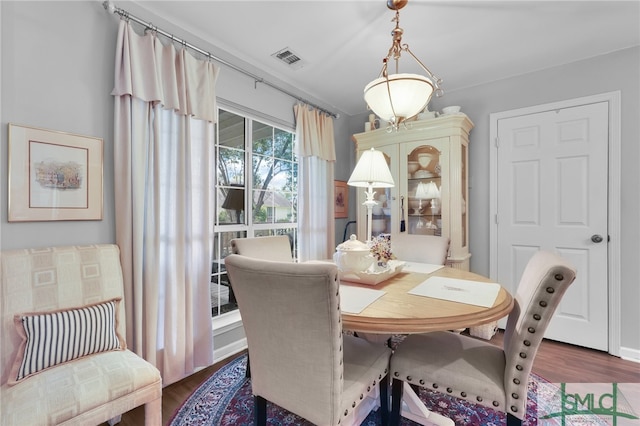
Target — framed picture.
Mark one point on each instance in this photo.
(341, 201)
(54, 175)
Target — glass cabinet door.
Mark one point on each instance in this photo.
(424, 187)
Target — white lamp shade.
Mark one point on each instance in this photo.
(408, 93)
(371, 170)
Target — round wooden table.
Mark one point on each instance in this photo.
(398, 312)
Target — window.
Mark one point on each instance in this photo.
(256, 201)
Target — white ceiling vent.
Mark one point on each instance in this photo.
(289, 58)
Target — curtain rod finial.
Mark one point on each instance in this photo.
(108, 6)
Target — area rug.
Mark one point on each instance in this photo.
(225, 399)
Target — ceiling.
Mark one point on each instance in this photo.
(466, 43)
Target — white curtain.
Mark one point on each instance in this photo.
(163, 165)
(317, 156)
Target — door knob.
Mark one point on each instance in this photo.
(597, 238)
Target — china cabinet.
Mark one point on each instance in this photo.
(428, 161)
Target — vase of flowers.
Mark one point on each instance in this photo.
(380, 247)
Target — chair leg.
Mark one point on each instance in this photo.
(384, 400)
(397, 388)
(513, 420)
(260, 415)
(247, 373)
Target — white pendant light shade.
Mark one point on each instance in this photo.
(371, 170)
(405, 96)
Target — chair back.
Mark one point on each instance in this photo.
(292, 321)
(273, 247)
(52, 279)
(420, 248)
(542, 285)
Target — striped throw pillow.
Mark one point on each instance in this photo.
(52, 338)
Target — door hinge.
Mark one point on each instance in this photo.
(496, 219)
(497, 142)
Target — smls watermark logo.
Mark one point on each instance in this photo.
(588, 404)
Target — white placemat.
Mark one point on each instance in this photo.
(422, 268)
(353, 300)
(463, 291)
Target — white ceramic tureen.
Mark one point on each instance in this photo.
(353, 256)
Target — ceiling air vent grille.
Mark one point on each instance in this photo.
(289, 58)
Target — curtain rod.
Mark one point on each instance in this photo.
(109, 7)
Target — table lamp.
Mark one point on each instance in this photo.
(234, 200)
(371, 171)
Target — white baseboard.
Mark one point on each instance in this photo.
(630, 354)
(224, 352)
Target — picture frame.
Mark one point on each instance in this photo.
(54, 175)
(341, 199)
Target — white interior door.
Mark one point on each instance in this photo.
(552, 170)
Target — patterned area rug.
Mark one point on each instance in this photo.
(225, 399)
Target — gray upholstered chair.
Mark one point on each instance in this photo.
(423, 248)
(318, 374)
(479, 371)
(273, 247)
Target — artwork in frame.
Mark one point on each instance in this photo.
(54, 175)
(341, 201)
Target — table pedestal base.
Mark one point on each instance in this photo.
(413, 409)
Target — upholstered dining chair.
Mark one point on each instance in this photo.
(432, 249)
(479, 371)
(272, 247)
(319, 374)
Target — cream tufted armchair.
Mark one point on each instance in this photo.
(478, 371)
(300, 359)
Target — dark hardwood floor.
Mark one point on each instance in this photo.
(556, 362)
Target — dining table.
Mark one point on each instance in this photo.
(416, 298)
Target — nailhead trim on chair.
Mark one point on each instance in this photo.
(543, 303)
(496, 403)
(354, 404)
